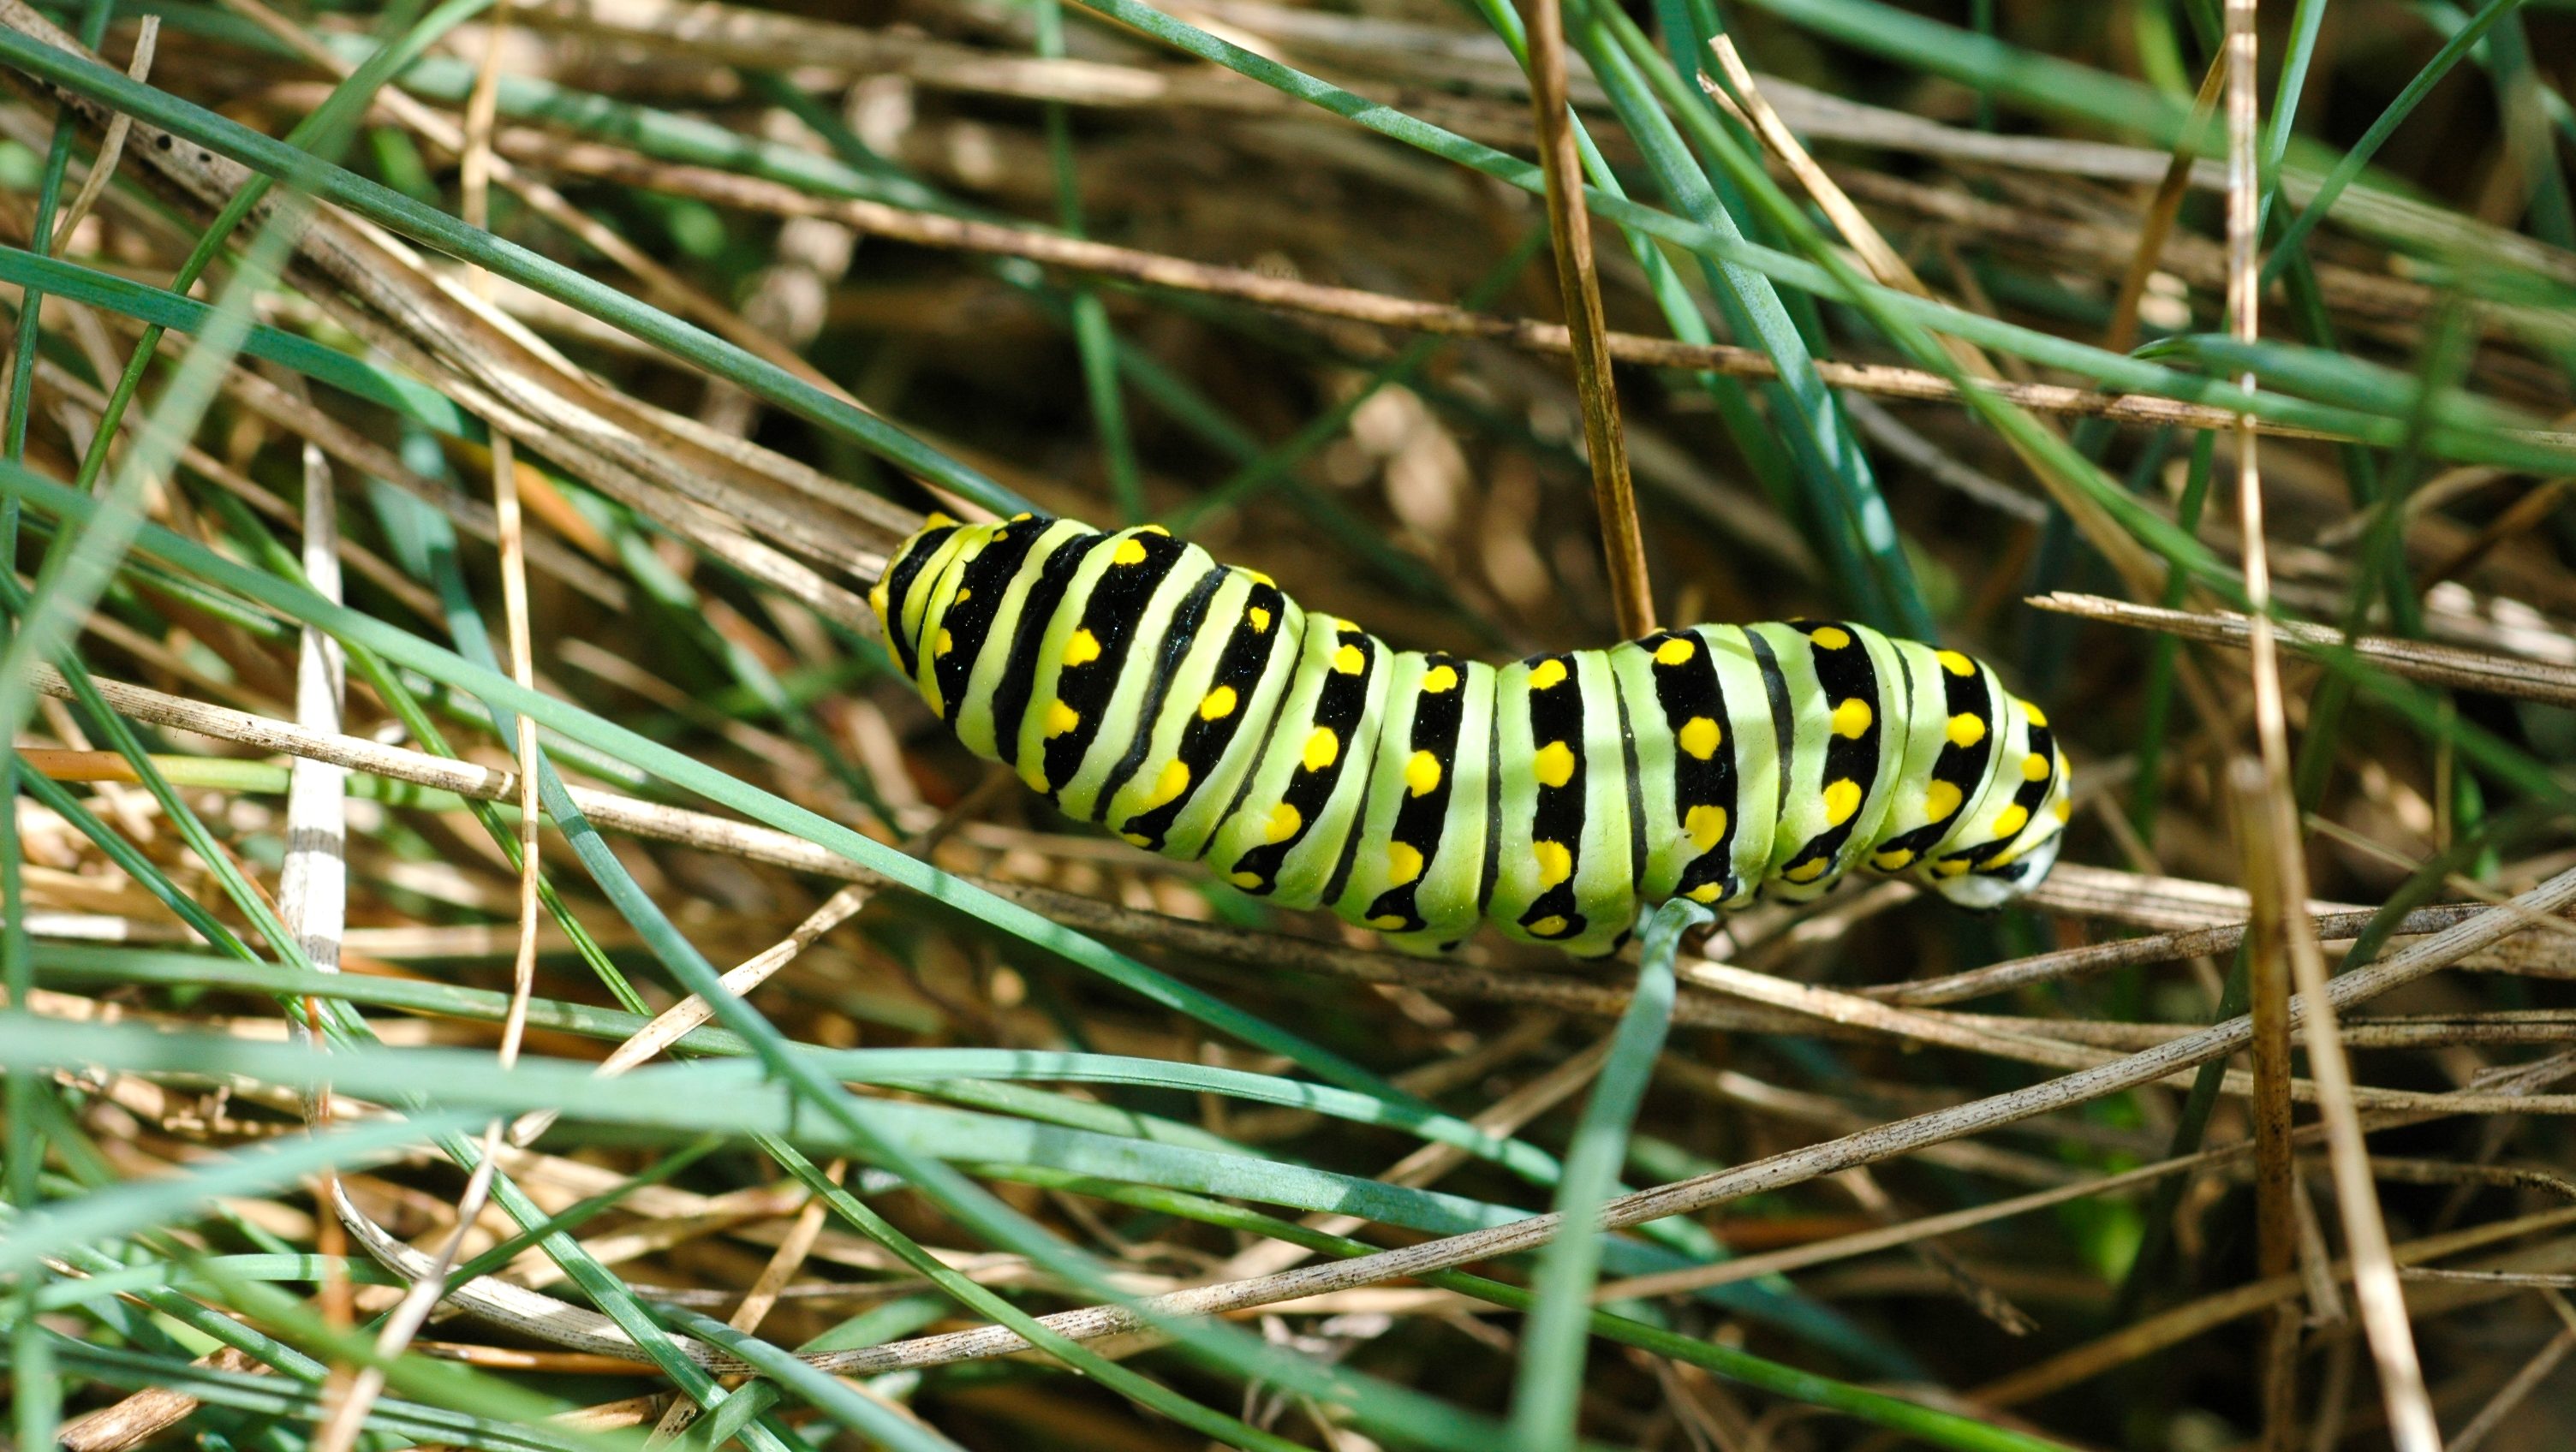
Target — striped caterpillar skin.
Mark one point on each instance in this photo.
(1196, 711)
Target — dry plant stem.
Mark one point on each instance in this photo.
(2065, 963)
(2518, 519)
(2441, 665)
(2275, 1188)
(1578, 281)
(2197, 1318)
(665, 288)
(509, 527)
(481, 106)
(313, 881)
(348, 1418)
(677, 1021)
(2122, 332)
(2375, 1284)
(1770, 1004)
(139, 1418)
(1779, 1171)
(1906, 1136)
(2524, 1382)
(111, 148)
(376, 570)
(1428, 1162)
(1890, 269)
(763, 1295)
(1156, 269)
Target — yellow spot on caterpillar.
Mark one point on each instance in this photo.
(1349, 661)
(1555, 864)
(1169, 786)
(2036, 715)
(1547, 675)
(1706, 892)
(935, 520)
(1705, 824)
(1260, 619)
(1082, 649)
(1950, 867)
(1808, 871)
(1153, 529)
(1967, 729)
(944, 644)
(2034, 767)
(1218, 704)
(1893, 861)
(1440, 678)
(1547, 927)
(1676, 651)
(962, 596)
(1699, 737)
(1322, 749)
(1940, 799)
(2011, 820)
(1023, 514)
(1285, 821)
(1248, 881)
(1128, 552)
(1137, 839)
(1422, 773)
(1955, 663)
(1554, 764)
(1830, 637)
(1061, 718)
(1386, 922)
(2062, 808)
(1853, 717)
(1403, 863)
(879, 598)
(1255, 576)
(1842, 798)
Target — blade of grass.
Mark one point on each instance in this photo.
(2381, 128)
(507, 259)
(1093, 340)
(1578, 285)
(1547, 1397)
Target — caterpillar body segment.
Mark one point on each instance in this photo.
(1196, 711)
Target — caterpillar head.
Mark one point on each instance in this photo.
(2013, 835)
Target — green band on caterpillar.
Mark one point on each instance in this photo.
(1196, 711)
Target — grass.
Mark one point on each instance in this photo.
(1032, 1141)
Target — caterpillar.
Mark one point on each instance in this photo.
(1193, 709)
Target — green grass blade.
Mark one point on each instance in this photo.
(1547, 1398)
(446, 234)
(2384, 126)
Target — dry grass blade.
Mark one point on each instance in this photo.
(1777, 1172)
(2066, 963)
(2443, 665)
(2171, 1328)
(2525, 1380)
(111, 148)
(2277, 1222)
(2383, 1305)
(2121, 334)
(1360, 305)
(1889, 267)
(1578, 280)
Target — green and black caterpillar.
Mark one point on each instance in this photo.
(1196, 711)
